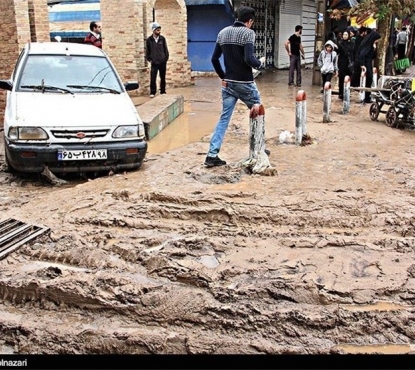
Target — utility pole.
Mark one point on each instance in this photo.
(319, 40)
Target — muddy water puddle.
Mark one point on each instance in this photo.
(387, 349)
(378, 306)
(197, 120)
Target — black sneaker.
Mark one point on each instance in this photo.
(214, 161)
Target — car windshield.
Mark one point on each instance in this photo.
(84, 74)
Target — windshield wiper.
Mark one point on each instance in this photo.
(88, 87)
(43, 88)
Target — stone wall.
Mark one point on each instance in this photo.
(127, 23)
(172, 16)
(39, 20)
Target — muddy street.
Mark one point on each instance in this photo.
(178, 258)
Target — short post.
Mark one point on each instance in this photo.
(300, 116)
(375, 78)
(362, 84)
(327, 102)
(346, 95)
(258, 161)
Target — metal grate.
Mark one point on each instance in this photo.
(79, 134)
(15, 233)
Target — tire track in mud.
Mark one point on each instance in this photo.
(215, 273)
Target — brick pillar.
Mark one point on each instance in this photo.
(39, 20)
(14, 33)
(123, 38)
(125, 26)
(172, 17)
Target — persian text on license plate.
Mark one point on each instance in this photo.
(82, 155)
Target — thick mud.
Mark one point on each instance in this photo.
(177, 258)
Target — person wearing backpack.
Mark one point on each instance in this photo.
(327, 62)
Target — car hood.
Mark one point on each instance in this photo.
(44, 109)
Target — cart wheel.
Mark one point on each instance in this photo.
(391, 117)
(374, 112)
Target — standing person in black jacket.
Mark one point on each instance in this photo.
(345, 60)
(157, 54)
(366, 56)
(360, 35)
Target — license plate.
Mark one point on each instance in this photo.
(82, 155)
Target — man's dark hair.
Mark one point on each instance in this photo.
(245, 13)
(298, 28)
(92, 25)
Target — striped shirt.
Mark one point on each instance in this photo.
(236, 43)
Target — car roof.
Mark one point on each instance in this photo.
(63, 48)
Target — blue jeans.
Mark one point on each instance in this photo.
(247, 93)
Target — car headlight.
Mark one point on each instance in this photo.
(125, 132)
(27, 133)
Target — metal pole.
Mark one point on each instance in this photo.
(265, 31)
(375, 78)
(327, 102)
(346, 95)
(300, 116)
(362, 84)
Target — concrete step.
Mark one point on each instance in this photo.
(159, 112)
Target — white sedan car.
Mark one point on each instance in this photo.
(67, 109)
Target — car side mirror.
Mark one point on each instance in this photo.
(6, 85)
(132, 85)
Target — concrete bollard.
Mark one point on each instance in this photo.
(362, 84)
(300, 116)
(327, 102)
(375, 78)
(346, 95)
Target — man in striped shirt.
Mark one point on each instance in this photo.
(236, 43)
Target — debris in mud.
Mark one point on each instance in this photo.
(121, 195)
(50, 272)
(306, 140)
(229, 177)
(52, 178)
(286, 137)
